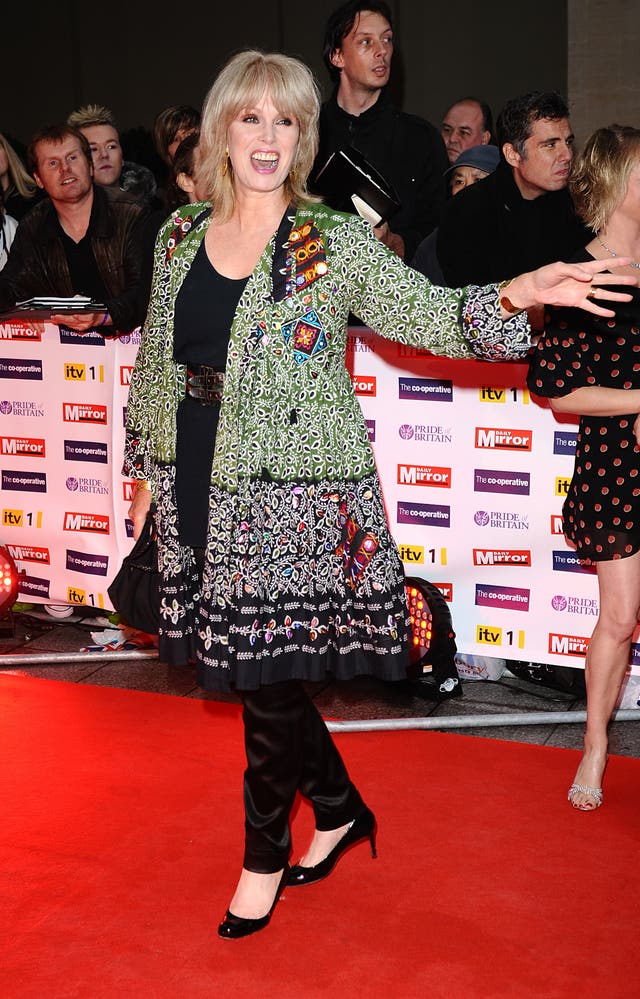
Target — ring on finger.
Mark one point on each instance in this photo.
(592, 293)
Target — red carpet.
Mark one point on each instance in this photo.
(121, 830)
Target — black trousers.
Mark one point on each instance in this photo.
(289, 748)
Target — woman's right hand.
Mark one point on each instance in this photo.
(139, 509)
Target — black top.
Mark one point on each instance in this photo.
(601, 514)
(204, 311)
(83, 269)
(407, 150)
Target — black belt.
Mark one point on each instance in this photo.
(205, 384)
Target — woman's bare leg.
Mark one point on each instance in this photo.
(606, 663)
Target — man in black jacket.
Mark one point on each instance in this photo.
(81, 240)
(407, 150)
(521, 216)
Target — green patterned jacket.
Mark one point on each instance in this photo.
(289, 407)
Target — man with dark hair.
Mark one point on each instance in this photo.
(466, 123)
(405, 149)
(521, 216)
(80, 240)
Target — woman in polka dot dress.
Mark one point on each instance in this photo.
(591, 366)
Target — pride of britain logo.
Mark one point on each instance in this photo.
(86, 484)
(575, 605)
(506, 520)
(21, 407)
(426, 433)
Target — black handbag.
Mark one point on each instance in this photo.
(135, 592)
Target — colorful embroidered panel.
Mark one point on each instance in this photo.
(305, 335)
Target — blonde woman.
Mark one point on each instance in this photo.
(590, 366)
(19, 189)
(243, 426)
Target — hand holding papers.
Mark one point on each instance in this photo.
(41, 308)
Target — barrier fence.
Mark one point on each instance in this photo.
(474, 473)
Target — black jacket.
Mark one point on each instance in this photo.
(408, 151)
(489, 232)
(37, 264)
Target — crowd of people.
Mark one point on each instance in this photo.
(243, 429)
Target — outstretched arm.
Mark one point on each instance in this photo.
(582, 286)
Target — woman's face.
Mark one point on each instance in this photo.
(262, 147)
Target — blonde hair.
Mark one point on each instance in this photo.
(18, 175)
(242, 82)
(91, 114)
(600, 174)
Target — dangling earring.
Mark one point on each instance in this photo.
(292, 175)
(225, 165)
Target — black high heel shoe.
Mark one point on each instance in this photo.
(362, 827)
(233, 927)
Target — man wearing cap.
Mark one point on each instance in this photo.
(472, 165)
(521, 216)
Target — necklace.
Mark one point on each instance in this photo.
(613, 253)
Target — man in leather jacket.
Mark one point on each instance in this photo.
(81, 240)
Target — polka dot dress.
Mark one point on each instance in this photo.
(601, 514)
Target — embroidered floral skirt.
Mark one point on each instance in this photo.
(301, 580)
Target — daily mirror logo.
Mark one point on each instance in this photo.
(28, 447)
(14, 331)
(29, 553)
(501, 556)
(503, 439)
(364, 384)
(93, 523)
(446, 590)
(424, 475)
(84, 412)
(568, 645)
